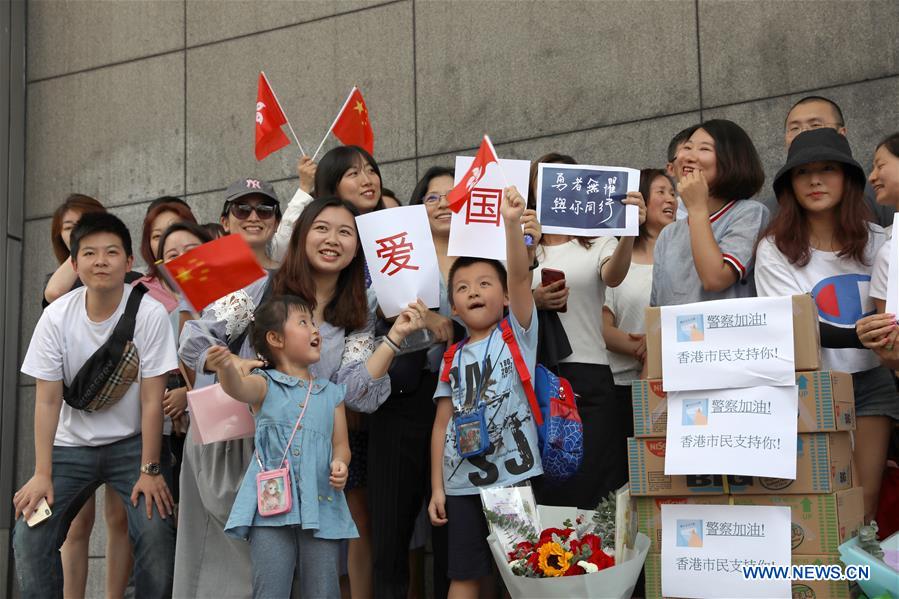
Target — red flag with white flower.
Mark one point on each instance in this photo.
(269, 120)
(461, 192)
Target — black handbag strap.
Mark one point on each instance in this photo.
(124, 328)
(236, 343)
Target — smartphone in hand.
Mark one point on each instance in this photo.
(550, 276)
(40, 513)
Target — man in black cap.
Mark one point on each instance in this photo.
(816, 112)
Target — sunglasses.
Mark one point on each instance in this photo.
(242, 211)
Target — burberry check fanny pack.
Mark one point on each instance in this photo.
(106, 376)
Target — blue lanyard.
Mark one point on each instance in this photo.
(483, 373)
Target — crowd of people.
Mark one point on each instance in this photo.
(358, 457)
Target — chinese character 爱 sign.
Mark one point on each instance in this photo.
(585, 200)
(399, 251)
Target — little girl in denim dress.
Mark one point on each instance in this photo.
(300, 420)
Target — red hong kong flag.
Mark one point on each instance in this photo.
(269, 120)
(352, 125)
(462, 191)
(213, 270)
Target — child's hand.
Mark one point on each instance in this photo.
(532, 225)
(437, 508)
(409, 320)
(218, 359)
(635, 198)
(694, 191)
(513, 205)
(339, 474)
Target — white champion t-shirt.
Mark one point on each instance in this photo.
(65, 338)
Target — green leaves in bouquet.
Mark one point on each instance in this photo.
(514, 524)
(604, 520)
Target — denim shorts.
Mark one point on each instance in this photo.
(875, 393)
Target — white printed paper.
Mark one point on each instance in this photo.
(893, 274)
(516, 504)
(401, 258)
(478, 228)
(705, 546)
(586, 200)
(749, 432)
(727, 344)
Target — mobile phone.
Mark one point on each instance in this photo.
(40, 513)
(548, 277)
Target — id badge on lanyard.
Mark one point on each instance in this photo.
(472, 438)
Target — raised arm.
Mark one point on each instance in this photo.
(521, 302)
(249, 389)
(616, 267)
(281, 240)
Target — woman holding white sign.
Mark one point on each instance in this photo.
(587, 267)
(821, 243)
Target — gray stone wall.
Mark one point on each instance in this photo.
(129, 100)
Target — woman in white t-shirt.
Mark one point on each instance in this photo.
(625, 307)
(589, 266)
(821, 243)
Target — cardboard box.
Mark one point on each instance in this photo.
(826, 403)
(801, 589)
(806, 337)
(823, 466)
(820, 522)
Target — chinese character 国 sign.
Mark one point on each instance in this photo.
(586, 200)
(477, 229)
(399, 251)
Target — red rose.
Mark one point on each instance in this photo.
(533, 560)
(574, 570)
(547, 535)
(521, 550)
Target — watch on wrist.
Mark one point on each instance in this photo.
(151, 468)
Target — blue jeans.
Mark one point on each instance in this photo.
(77, 472)
(288, 557)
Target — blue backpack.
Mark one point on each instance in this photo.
(560, 432)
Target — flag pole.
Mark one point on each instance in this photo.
(528, 238)
(281, 108)
(328, 132)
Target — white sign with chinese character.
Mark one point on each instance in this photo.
(586, 200)
(750, 432)
(727, 344)
(893, 272)
(706, 547)
(401, 258)
(478, 229)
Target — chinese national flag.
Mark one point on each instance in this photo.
(213, 270)
(462, 191)
(269, 120)
(352, 126)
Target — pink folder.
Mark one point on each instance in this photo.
(216, 416)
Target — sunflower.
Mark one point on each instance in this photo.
(554, 559)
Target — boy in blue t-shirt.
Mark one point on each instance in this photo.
(485, 401)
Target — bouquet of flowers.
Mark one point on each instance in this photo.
(581, 553)
(561, 552)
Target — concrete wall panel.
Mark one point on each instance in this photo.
(311, 84)
(71, 36)
(212, 20)
(635, 145)
(114, 133)
(517, 70)
(765, 48)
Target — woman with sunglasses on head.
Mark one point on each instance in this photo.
(206, 560)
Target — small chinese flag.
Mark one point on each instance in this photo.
(213, 270)
(462, 191)
(269, 120)
(352, 126)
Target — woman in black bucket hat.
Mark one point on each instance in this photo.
(821, 243)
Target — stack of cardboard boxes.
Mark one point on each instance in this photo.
(826, 508)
